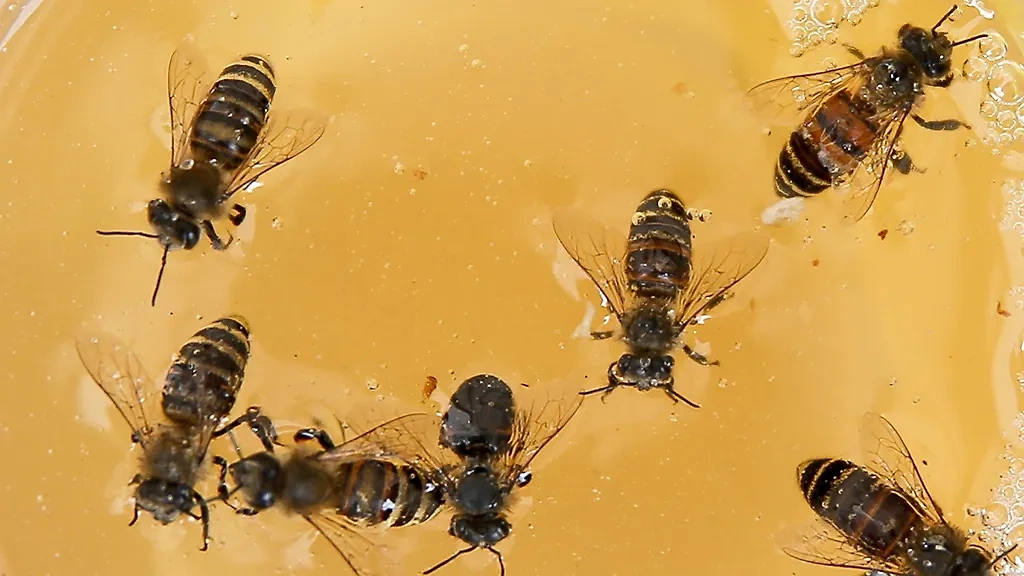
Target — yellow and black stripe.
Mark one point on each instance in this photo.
(874, 516)
(206, 373)
(372, 492)
(230, 119)
(660, 245)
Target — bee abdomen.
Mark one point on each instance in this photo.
(207, 372)
(376, 492)
(799, 172)
(659, 247)
(229, 120)
(858, 503)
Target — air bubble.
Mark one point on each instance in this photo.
(830, 36)
(1006, 82)
(854, 17)
(1005, 140)
(638, 218)
(974, 69)
(372, 384)
(826, 12)
(1007, 493)
(992, 47)
(994, 515)
(1006, 120)
(1018, 134)
(857, 5)
(796, 50)
(799, 15)
(799, 34)
(988, 109)
(814, 38)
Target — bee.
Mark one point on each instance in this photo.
(655, 288)
(198, 394)
(223, 138)
(338, 489)
(853, 116)
(881, 518)
(482, 456)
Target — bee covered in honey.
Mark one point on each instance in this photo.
(881, 517)
(223, 138)
(851, 117)
(654, 286)
(339, 489)
(198, 394)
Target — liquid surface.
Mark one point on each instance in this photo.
(415, 239)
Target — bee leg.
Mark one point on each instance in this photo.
(238, 216)
(247, 511)
(602, 335)
(222, 479)
(855, 51)
(218, 244)
(951, 124)
(135, 516)
(676, 396)
(318, 434)
(902, 162)
(699, 358)
(204, 516)
(260, 425)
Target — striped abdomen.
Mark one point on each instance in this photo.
(207, 372)
(830, 144)
(231, 117)
(859, 504)
(372, 492)
(658, 252)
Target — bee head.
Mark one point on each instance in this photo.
(480, 531)
(258, 477)
(932, 51)
(973, 562)
(163, 499)
(644, 372)
(174, 230)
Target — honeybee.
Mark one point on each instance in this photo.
(882, 517)
(223, 138)
(338, 489)
(482, 456)
(198, 394)
(654, 288)
(853, 115)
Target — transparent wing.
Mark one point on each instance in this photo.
(820, 543)
(532, 430)
(122, 377)
(788, 100)
(598, 250)
(363, 555)
(712, 277)
(866, 180)
(890, 458)
(285, 137)
(188, 83)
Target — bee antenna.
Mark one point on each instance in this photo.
(125, 233)
(944, 18)
(971, 39)
(160, 275)
(1003, 555)
(448, 560)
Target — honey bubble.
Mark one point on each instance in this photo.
(1005, 82)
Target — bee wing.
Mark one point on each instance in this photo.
(188, 83)
(866, 179)
(285, 137)
(122, 377)
(729, 263)
(362, 554)
(890, 458)
(590, 244)
(411, 439)
(789, 99)
(532, 430)
(820, 543)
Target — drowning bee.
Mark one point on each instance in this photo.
(853, 116)
(223, 138)
(338, 489)
(483, 455)
(881, 518)
(199, 392)
(654, 289)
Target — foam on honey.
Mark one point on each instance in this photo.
(1002, 105)
(815, 21)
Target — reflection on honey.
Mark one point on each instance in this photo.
(416, 239)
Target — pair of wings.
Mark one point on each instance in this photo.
(890, 459)
(123, 378)
(412, 439)
(793, 100)
(599, 251)
(284, 137)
